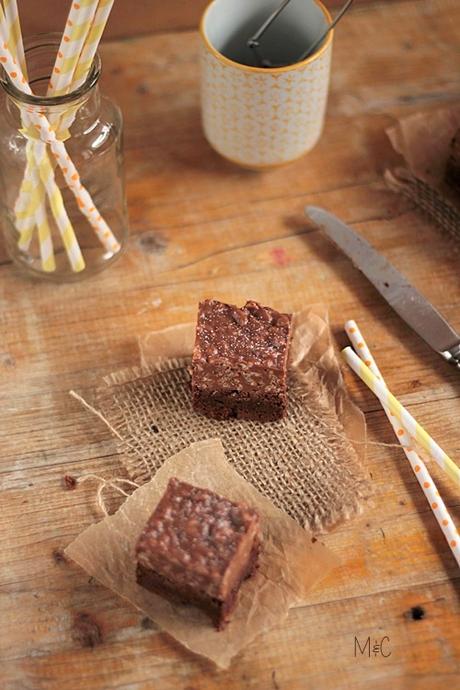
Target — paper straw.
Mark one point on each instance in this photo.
(14, 34)
(88, 54)
(33, 211)
(78, 24)
(44, 237)
(419, 468)
(42, 177)
(77, 28)
(413, 428)
(92, 42)
(24, 202)
(58, 149)
(30, 208)
(13, 31)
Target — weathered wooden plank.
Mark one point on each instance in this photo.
(115, 650)
(126, 20)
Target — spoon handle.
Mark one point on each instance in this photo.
(321, 38)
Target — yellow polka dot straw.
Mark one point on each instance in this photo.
(413, 428)
(419, 468)
(427, 484)
(46, 134)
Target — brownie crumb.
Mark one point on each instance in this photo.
(69, 483)
(147, 623)
(59, 556)
(86, 631)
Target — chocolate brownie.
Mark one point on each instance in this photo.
(239, 364)
(197, 548)
(453, 163)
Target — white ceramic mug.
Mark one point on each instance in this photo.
(263, 117)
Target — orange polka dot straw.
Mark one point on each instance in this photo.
(437, 505)
(80, 15)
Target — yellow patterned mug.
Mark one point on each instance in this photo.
(255, 116)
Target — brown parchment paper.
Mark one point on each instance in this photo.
(305, 464)
(423, 140)
(290, 563)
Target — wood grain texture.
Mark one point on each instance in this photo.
(202, 227)
(128, 18)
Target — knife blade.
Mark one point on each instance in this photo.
(408, 302)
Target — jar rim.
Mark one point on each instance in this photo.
(51, 39)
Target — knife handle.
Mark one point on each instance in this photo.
(453, 355)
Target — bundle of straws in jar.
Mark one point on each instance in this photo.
(40, 203)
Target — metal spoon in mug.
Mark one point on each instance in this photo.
(254, 42)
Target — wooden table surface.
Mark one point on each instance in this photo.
(202, 227)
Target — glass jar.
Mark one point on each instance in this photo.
(90, 125)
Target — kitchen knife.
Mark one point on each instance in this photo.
(408, 302)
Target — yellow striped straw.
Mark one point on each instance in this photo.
(92, 42)
(44, 237)
(14, 33)
(413, 428)
(419, 468)
(42, 178)
(24, 202)
(29, 184)
(30, 208)
(25, 222)
(56, 201)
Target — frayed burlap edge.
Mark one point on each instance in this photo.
(429, 200)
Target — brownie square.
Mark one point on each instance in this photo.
(239, 363)
(197, 548)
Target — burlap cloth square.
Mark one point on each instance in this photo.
(290, 562)
(305, 464)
